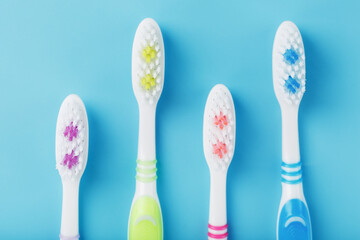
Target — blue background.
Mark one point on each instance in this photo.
(49, 49)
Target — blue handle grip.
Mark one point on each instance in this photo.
(294, 221)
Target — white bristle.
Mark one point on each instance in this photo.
(219, 128)
(289, 61)
(71, 138)
(148, 51)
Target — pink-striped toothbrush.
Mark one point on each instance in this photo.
(219, 145)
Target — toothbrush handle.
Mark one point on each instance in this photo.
(145, 221)
(294, 217)
(294, 220)
(217, 227)
(70, 211)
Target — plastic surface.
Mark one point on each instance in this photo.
(148, 64)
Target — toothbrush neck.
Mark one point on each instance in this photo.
(146, 189)
(290, 135)
(292, 190)
(146, 147)
(70, 208)
(217, 215)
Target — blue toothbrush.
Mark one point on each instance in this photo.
(289, 85)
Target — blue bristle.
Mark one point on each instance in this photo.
(291, 56)
(292, 85)
(294, 82)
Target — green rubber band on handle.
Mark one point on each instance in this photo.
(146, 171)
(146, 163)
(145, 179)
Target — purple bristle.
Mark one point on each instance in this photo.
(71, 131)
(70, 160)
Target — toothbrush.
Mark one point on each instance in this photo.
(72, 140)
(289, 85)
(148, 65)
(219, 145)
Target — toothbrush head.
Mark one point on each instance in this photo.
(148, 62)
(288, 64)
(219, 128)
(72, 138)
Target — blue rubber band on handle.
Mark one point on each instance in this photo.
(291, 174)
(296, 181)
(292, 165)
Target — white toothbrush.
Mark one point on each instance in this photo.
(289, 85)
(219, 146)
(72, 140)
(148, 65)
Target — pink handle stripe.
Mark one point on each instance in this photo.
(217, 236)
(217, 228)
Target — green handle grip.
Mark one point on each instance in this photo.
(145, 220)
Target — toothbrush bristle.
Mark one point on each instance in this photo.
(219, 128)
(149, 61)
(71, 138)
(289, 63)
